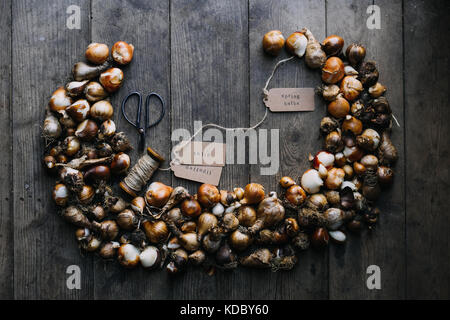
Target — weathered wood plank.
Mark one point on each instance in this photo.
(145, 25)
(6, 216)
(385, 245)
(298, 135)
(209, 50)
(44, 50)
(427, 149)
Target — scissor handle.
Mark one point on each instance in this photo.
(147, 106)
(136, 124)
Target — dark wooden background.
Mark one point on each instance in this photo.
(205, 58)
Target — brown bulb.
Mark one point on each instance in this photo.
(273, 42)
(97, 53)
(355, 54)
(59, 100)
(352, 124)
(86, 194)
(253, 193)
(127, 219)
(97, 173)
(72, 145)
(49, 163)
(320, 238)
(339, 107)
(385, 175)
(79, 110)
(295, 195)
(120, 163)
(95, 92)
(156, 231)
(239, 240)
(333, 70)
(191, 208)
(332, 45)
(122, 52)
(208, 195)
(246, 216)
(108, 229)
(60, 194)
(87, 130)
(111, 79)
(189, 226)
(286, 182)
(138, 204)
(351, 87)
(158, 194)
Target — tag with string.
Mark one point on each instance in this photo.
(277, 100)
(199, 161)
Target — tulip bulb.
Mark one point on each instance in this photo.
(102, 110)
(286, 182)
(311, 181)
(333, 70)
(128, 255)
(239, 240)
(111, 79)
(156, 231)
(83, 71)
(208, 195)
(332, 45)
(295, 195)
(59, 100)
(60, 194)
(296, 44)
(150, 257)
(158, 194)
(246, 216)
(335, 178)
(95, 92)
(122, 52)
(253, 193)
(76, 88)
(108, 250)
(189, 241)
(323, 158)
(97, 53)
(52, 128)
(351, 87)
(206, 221)
(273, 42)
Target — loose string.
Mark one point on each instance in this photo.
(141, 173)
(265, 92)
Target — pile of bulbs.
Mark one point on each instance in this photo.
(338, 193)
(219, 228)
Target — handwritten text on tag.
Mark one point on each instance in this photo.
(201, 153)
(204, 174)
(290, 99)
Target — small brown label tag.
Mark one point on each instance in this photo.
(290, 99)
(201, 154)
(204, 174)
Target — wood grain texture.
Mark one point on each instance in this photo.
(44, 245)
(383, 246)
(298, 134)
(209, 56)
(146, 26)
(6, 213)
(427, 149)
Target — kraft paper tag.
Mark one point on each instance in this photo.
(290, 99)
(201, 154)
(204, 174)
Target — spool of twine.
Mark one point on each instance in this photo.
(141, 172)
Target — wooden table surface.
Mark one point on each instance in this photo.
(205, 58)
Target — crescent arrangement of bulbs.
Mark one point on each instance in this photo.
(167, 227)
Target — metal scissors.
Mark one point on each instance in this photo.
(142, 128)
